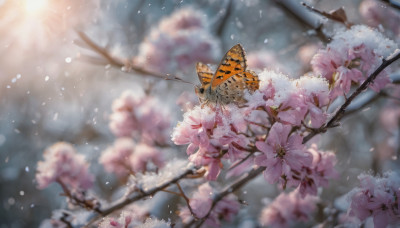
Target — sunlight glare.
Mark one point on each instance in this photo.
(35, 6)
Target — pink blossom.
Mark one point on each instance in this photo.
(201, 203)
(210, 130)
(282, 99)
(377, 13)
(319, 172)
(183, 19)
(351, 57)
(315, 92)
(116, 159)
(125, 158)
(377, 197)
(178, 42)
(139, 117)
(286, 209)
(62, 164)
(144, 154)
(282, 154)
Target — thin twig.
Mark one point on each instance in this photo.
(392, 3)
(229, 189)
(123, 63)
(338, 15)
(140, 195)
(333, 122)
(186, 199)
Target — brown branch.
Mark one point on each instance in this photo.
(304, 16)
(228, 6)
(392, 3)
(122, 63)
(333, 122)
(140, 195)
(338, 15)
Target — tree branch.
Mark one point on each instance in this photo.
(333, 122)
(304, 16)
(140, 195)
(122, 63)
(392, 3)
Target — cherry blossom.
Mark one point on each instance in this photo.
(282, 154)
(178, 42)
(351, 57)
(62, 164)
(132, 116)
(125, 157)
(201, 203)
(377, 197)
(286, 209)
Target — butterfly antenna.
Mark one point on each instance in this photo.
(177, 79)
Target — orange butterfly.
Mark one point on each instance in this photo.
(230, 80)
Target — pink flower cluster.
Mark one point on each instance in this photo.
(377, 13)
(212, 134)
(351, 57)
(286, 209)
(378, 198)
(201, 203)
(288, 163)
(125, 158)
(140, 118)
(178, 43)
(267, 123)
(62, 164)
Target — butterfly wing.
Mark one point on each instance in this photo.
(251, 80)
(234, 62)
(233, 88)
(205, 73)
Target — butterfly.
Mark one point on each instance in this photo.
(230, 80)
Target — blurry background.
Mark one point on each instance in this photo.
(49, 90)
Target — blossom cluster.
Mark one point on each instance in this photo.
(201, 203)
(125, 157)
(63, 165)
(132, 116)
(266, 128)
(378, 198)
(286, 209)
(178, 43)
(376, 14)
(351, 57)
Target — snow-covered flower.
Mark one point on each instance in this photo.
(351, 57)
(62, 164)
(132, 216)
(315, 92)
(378, 198)
(209, 131)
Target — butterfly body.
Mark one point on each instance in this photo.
(229, 81)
